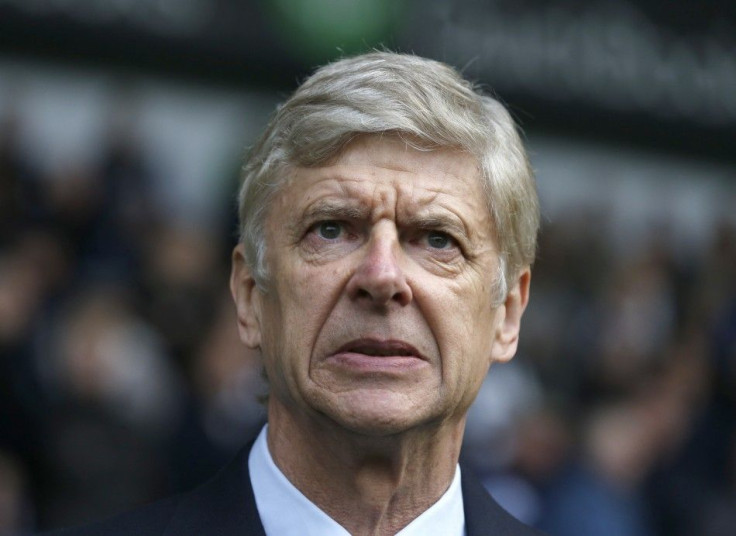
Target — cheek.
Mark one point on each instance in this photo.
(463, 323)
(302, 302)
(466, 315)
(286, 349)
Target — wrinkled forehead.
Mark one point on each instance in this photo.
(385, 178)
(412, 160)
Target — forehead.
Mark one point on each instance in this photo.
(386, 171)
(394, 154)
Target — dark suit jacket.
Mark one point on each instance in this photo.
(225, 506)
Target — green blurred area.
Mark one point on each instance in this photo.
(320, 30)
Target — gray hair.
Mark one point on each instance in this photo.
(430, 105)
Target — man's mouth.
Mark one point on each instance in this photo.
(380, 348)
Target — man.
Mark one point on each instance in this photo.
(388, 221)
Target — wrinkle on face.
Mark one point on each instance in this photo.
(386, 198)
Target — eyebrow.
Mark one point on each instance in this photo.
(439, 222)
(330, 210)
(327, 209)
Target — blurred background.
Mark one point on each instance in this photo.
(122, 127)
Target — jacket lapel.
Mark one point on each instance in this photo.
(224, 506)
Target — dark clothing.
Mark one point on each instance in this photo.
(225, 506)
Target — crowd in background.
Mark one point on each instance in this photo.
(122, 378)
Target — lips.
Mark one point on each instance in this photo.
(380, 348)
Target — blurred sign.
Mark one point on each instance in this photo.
(646, 71)
(657, 72)
(166, 16)
(613, 55)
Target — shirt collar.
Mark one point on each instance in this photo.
(285, 511)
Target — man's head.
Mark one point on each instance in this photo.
(389, 218)
(425, 102)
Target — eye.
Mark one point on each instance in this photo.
(329, 230)
(439, 240)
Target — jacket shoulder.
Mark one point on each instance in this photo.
(484, 516)
(150, 520)
(225, 505)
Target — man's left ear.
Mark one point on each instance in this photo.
(506, 339)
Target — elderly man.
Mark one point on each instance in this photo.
(388, 224)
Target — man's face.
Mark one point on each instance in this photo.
(379, 314)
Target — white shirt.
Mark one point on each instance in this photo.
(285, 511)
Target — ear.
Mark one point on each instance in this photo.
(506, 338)
(247, 299)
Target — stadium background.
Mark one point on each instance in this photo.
(122, 127)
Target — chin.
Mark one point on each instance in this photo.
(379, 415)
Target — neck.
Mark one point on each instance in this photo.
(369, 484)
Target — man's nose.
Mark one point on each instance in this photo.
(379, 278)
